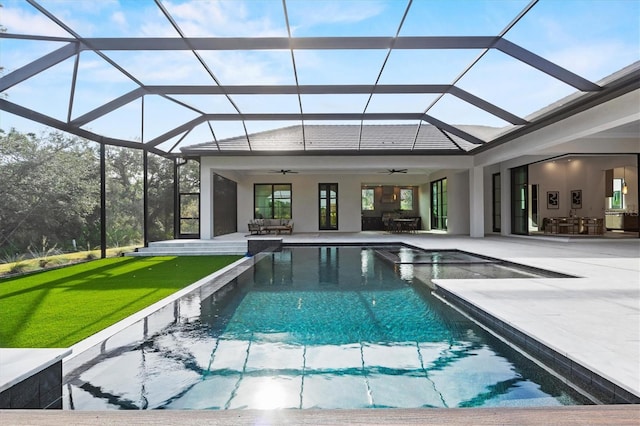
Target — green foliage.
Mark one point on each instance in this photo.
(160, 193)
(12, 258)
(125, 197)
(51, 186)
(189, 176)
(44, 252)
(18, 267)
(28, 265)
(60, 307)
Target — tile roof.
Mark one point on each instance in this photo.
(348, 137)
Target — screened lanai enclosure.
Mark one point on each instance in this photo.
(180, 80)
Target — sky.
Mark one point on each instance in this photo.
(588, 37)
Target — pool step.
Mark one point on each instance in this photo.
(191, 248)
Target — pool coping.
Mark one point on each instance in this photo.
(31, 378)
(19, 364)
(571, 371)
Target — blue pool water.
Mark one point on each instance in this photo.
(317, 327)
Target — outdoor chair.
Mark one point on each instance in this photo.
(255, 228)
(596, 224)
(413, 225)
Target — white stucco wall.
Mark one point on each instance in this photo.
(488, 197)
(458, 198)
(425, 205)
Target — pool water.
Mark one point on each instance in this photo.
(314, 327)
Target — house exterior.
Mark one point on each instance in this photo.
(582, 151)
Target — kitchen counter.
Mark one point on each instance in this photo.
(619, 220)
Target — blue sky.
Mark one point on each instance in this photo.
(588, 37)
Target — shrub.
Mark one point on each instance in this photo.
(18, 267)
(12, 258)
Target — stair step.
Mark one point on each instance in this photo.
(192, 248)
(193, 253)
(201, 245)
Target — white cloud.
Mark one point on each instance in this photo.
(179, 67)
(95, 69)
(228, 18)
(513, 85)
(119, 19)
(337, 12)
(251, 67)
(20, 21)
(595, 60)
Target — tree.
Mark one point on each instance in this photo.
(50, 188)
(160, 194)
(125, 197)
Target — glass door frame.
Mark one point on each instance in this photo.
(496, 187)
(328, 206)
(520, 200)
(439, 204)
(179, 216)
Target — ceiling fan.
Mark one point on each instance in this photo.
(283, 171)
(393, 171)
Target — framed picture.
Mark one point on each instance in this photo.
(576, 198)
(553, 200)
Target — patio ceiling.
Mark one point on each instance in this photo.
(229, 77)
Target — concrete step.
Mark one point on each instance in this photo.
(191, 248)
(191, 253)
(160, 244)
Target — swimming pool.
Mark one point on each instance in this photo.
(318, 327)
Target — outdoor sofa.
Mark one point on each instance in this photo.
(267, 226)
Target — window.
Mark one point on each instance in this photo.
(617, 201)
(272, 201)
(439, 204)
(188, 175)
(406, 198)
(367, 199)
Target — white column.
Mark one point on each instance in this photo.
(206, 203)
(505, 200)
(476, 202)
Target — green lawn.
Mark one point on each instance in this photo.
(60, 307)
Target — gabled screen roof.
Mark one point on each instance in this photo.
(241, 76)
